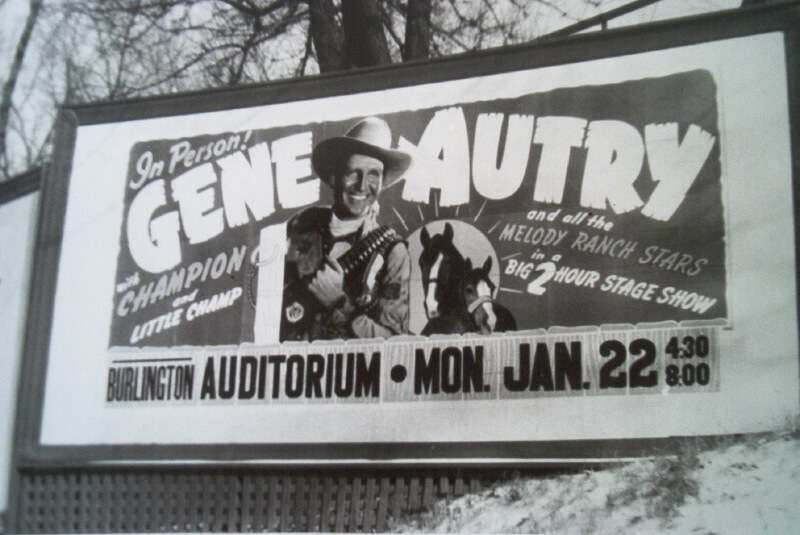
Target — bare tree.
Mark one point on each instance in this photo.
(158, 46)
(6, 99)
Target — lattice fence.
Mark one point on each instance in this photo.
(229, 501)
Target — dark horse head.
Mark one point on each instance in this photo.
(478, 292)
(442, 267)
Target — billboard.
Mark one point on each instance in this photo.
(536, 254)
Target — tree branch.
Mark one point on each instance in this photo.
(11, 81)
(301, 68)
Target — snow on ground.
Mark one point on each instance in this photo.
(748, 489)
(747, 486)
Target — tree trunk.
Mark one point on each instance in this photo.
(418, 30)
(11, 82)
(327, 36)
(364, 41)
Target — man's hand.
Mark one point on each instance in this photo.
(328, 284)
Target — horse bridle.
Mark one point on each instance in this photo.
(472, 307)
(435, 280)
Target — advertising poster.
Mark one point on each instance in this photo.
(437, 263)
(566, 208)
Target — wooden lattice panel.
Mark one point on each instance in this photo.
(80, 501)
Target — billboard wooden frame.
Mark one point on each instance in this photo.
(30, 453)
(20, 185)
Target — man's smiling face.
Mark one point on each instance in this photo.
(357, 185)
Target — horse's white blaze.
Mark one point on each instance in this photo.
(484, 291)
(431, 304)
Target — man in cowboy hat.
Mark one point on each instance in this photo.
(347, 276)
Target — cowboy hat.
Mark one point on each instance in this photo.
(370, 137)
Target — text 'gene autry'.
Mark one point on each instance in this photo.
(256, 181)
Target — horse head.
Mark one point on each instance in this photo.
(442, 267)
(478, 291)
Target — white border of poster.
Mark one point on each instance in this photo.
(756, 347)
